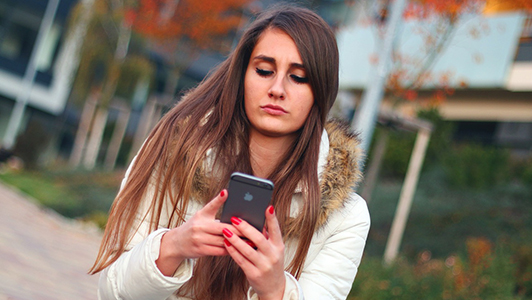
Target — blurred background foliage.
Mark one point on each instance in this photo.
(469, 231)
(469, 234)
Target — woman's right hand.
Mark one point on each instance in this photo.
(200, 236)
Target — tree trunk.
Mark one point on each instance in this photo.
(407, 195)
(118, 135)
(108, 92)
(83, 129)
(95, 140)
(143, 127)
(374, 166)
(156, 116)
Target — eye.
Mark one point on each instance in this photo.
(263, 73)
(299, 79)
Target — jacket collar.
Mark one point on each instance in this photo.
(341, 172)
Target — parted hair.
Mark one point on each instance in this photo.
(212, 116)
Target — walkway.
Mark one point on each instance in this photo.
(43, 255)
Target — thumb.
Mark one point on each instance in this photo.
(214, 205)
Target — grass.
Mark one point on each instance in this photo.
(48, 192)
(442, 218)
(74, 194)
(459, 243)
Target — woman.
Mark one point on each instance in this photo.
(263, 111)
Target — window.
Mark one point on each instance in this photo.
(19, 26)
(18, 32)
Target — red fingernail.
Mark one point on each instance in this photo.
(227, 243)
(227, 232)
(251, 244)
(222, 193)
(236, 220)
(270, 209)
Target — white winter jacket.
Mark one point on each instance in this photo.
(332, 260)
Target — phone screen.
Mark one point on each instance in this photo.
(248, 198)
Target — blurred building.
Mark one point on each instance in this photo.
(20, 21)
(488, 64)
(495, 107)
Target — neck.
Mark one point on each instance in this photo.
(266, 152)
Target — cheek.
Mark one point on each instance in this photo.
(307, 101)
(250, 83)
(305, 106)
(248, 95)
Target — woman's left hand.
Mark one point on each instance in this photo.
(264, 267)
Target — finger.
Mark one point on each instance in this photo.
(216, 228)
(195, 245)
(239, 259)
(213, 241)
(247, 230)
(215, 251)
(240, 251)
(265, 233)
(274, 231)
(212, 208)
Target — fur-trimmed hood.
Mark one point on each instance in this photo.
(342, 173)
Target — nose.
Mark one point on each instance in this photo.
(277, 90)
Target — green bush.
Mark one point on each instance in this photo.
(526, 175)
(44, 190)
(440, 138)
(74, 194)
(402, 280)
(483, 272)
(31, 144)
(476, 166)
(523, 261)
(400, 145)
(443, 217)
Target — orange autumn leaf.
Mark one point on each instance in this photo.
(195, 20)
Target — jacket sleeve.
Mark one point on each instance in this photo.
(134, 275)
(331, 273)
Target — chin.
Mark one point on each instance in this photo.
(276, 133)
(273, 128)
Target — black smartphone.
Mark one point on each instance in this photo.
(248, 198)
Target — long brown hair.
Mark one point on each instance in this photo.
(212, 116)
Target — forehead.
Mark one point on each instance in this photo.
(277, 44)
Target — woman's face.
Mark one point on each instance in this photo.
(277, 95)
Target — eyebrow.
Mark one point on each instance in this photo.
(272, 60)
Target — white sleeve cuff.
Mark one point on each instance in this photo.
(183, 272)
(292, 290)
(136, 276)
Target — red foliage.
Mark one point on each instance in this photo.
(196, 20)
(410, 74)
(468, 279)
(450, 9)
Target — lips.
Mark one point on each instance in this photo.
(273, 110)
